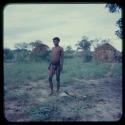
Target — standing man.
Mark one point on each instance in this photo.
(56, 63)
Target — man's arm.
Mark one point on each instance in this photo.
(50, 60)
(61, 58)
(49, 66)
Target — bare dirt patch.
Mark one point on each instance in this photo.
(81, 100)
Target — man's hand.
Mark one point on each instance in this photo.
(49, 66)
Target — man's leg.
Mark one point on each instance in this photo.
(50, 80)
(58, 79)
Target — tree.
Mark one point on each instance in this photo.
(69, 49)
(119, 32)
(113, 8)
(95, 43)
(21, 52)
(8, 54)
(21, 46)
(68, 52)
(35, 44)
(85, 45)
(21, 55)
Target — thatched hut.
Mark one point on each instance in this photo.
(107, 53)
(40, 52)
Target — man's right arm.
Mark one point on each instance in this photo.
(49, 65)
(50, 60)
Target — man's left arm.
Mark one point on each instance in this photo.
(61, 58)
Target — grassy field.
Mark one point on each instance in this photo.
(24, 72)
(24, 83)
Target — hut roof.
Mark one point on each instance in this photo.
(106, 46)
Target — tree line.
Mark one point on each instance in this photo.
(38, 51)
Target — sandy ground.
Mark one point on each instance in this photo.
(81, 100)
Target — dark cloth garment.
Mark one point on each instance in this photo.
(55, 66)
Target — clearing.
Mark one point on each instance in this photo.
(91, 100)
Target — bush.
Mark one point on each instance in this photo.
(66, 55)
(8, 54)
(22, 56)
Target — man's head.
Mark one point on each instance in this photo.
(56, 41)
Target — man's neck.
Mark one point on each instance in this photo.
(57, 46)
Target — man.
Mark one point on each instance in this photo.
(56, 64)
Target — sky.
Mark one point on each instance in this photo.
(69, 22)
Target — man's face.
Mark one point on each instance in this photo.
(56, 42)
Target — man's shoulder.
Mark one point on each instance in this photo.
(61, 48)
(53, 48)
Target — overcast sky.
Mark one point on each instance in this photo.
(30, 22)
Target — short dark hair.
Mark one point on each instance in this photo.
(56, 38)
